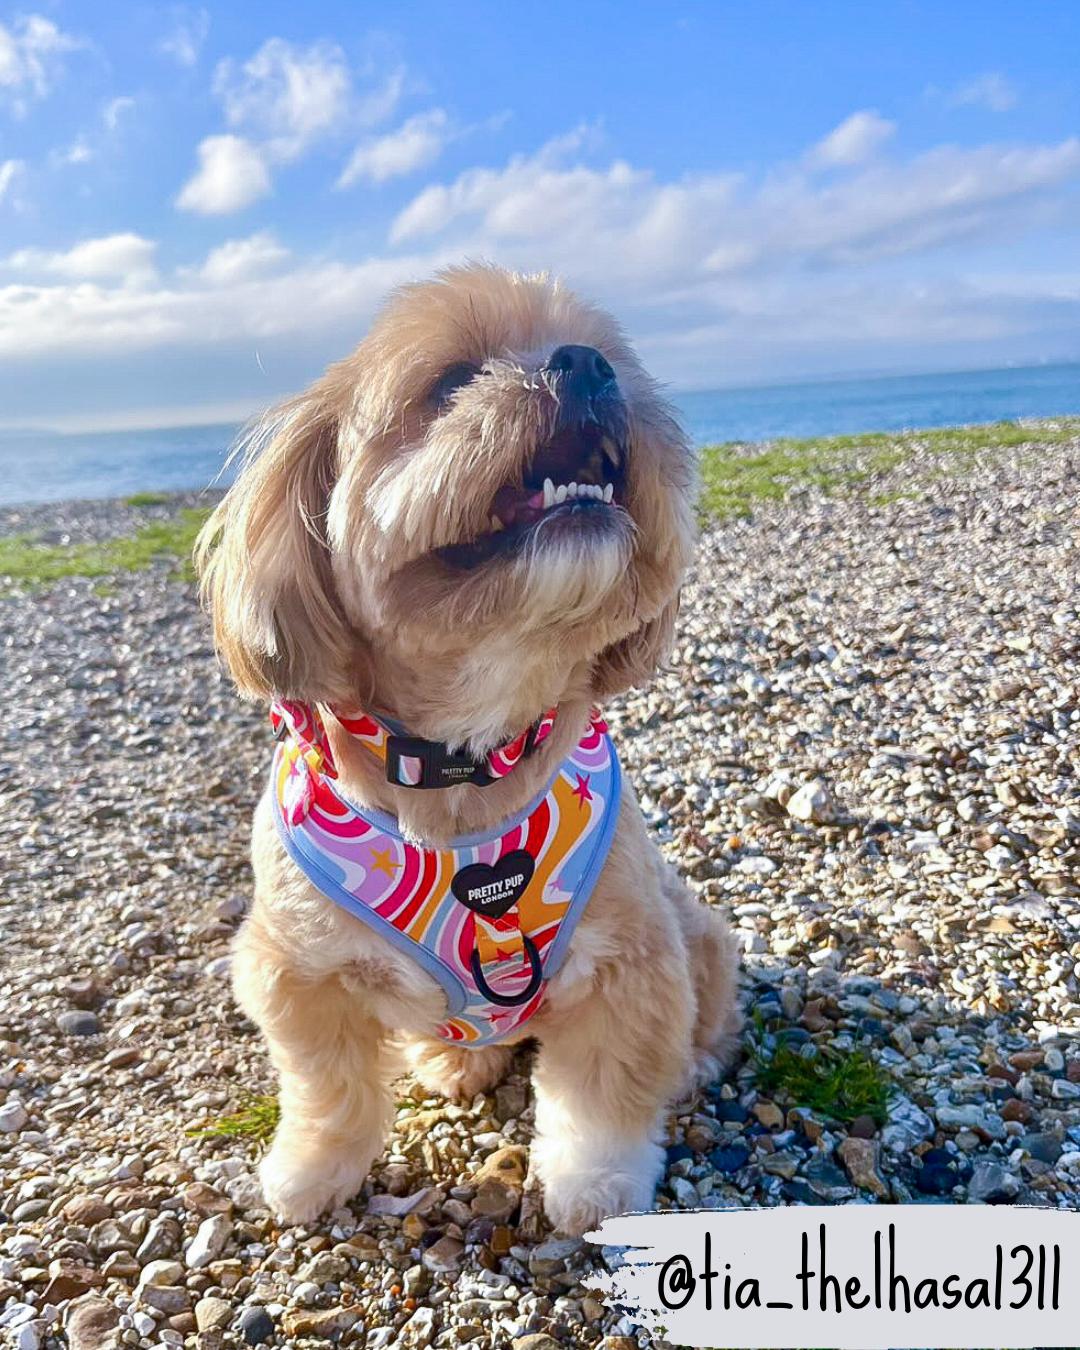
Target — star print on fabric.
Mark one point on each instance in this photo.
(581, 792)
(382, 862)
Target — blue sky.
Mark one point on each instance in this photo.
(200, 206)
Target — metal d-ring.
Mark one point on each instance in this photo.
(501, 999)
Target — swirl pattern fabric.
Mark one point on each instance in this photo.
(494, 966)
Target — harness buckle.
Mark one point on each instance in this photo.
(414, 762)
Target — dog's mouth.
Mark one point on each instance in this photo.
(576, 480)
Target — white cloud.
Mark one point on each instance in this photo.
(10, 170)
(242, 259)
(231, 175)
(127, 257)
(116, 110)
(991, 90)
(855, 140)
(31, 58)
(185, 39)
(288, 95)
(620, 223)
(415, 144)
(96, 320)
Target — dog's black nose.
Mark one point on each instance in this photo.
(584, 370)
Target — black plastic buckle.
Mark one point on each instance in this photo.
(440, 767)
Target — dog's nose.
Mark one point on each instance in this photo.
(583, 369)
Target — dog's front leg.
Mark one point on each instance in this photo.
(334, 1067)
(605, 1072)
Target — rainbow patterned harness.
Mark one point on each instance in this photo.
(490, 915)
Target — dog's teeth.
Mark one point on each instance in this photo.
(549, 493)
(611, 450)
(560, 493)
(571, 490)
(496, 524)
(609, 493)
(597, 493)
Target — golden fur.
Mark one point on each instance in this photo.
(321, 571)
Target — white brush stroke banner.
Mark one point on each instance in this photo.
(853, 1277)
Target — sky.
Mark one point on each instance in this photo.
(200, 206)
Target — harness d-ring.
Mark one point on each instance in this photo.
(530, 989)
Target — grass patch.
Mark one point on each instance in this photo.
(23, 559)
(732, 482)
(838, 1086)
(255, 1118)
(147, 499)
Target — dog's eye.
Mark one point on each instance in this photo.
(452, 379)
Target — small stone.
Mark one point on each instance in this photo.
(323, 1323)
(1015, 1109)
(255, 1325)
(68, 1279)
(992, 1184)
(769, 1115)
(167, 1298)
(162, 1272)
(812, 803)
(204, 1200)
(860, 1159)
(495, 1200)
(507, 1165)
(121, 1266)
(445, 1256)
(109, 1236)
(702, 1135)
(13, 1116)
(211, 1313)
(77, 1022)
(91, 1324)
(324, 1268)
(863, 1127)
(755, 866)
(209, 1242)
(538, 1340)
(551, 1257)
(418, 1331)
(1046, 1147)
(1053, 1060)
(162, 1239)
(86, 1210)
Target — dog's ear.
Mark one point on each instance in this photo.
(264, 565)
(634, 661)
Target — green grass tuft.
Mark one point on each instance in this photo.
(733, 482)
(147, 499)
(23, 559)
(255, 1118)
(836, 1085)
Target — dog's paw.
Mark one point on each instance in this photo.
(298, 1187)
(455, 1073)
(584, 1185)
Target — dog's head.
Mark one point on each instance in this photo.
(491, 465)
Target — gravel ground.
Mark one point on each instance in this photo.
(865, 750)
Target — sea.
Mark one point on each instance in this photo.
(41, 466)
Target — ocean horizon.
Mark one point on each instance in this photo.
(42, 466)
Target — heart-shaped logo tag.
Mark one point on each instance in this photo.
(491, 890)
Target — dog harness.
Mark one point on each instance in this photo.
(489, 915)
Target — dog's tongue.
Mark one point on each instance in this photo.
(517, 506)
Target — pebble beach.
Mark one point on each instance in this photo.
(864, 750)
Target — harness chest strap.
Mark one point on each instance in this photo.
(489, 916)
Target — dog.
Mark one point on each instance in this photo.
(403, 539)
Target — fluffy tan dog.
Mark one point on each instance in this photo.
(382, 548)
